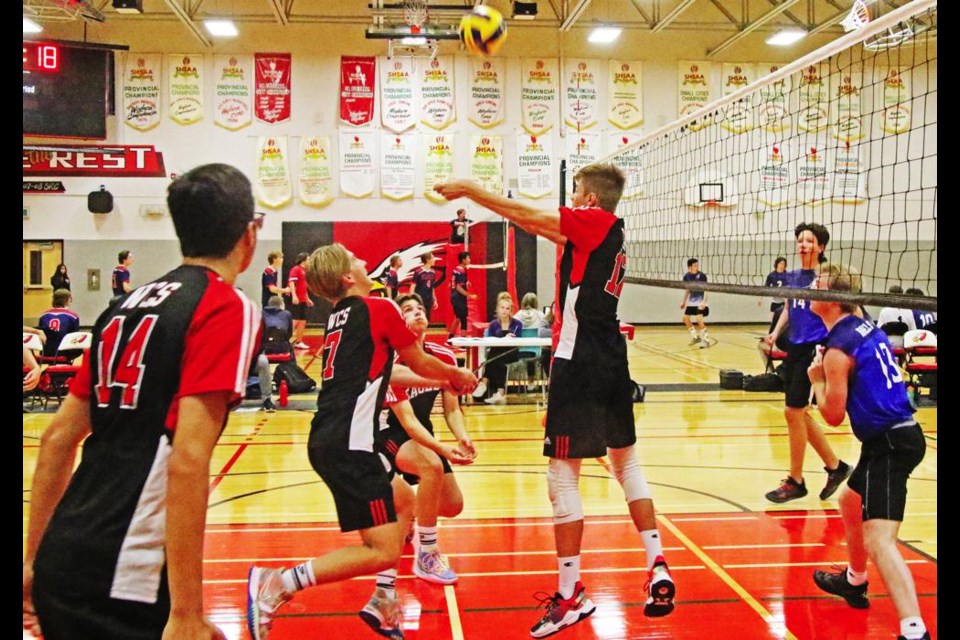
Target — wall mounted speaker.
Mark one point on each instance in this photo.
(100, 201)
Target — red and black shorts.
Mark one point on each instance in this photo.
(590, 409)
(360, 484)
(880, 476)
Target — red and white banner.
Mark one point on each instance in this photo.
(772, 115)
(398, 100)
(134, 161)
(358, 170)
(582, 149)
(845, 88)
(316, 179)
(581, 103)
(538, 94)
(630, 162)
(141, 90)
(272, 87)
(814, 94)
(693, 80)
(396, 165)
(232, 96)
(896, 98)
(271, 185)
(437, 163)
(358, 75)
(185, 87)
(437, 106)
(486, 162)
(625, 92)
(534, 165)
(738, 117)
(487, 79)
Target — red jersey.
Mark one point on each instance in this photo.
(297, 281)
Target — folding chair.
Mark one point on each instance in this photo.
(56, 378)
(528, 357)
(895, 331)
(920, 365)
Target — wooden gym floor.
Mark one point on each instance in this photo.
(742, 565)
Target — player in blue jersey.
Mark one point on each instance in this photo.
(857, 375)
(806, 331)
(694, 305)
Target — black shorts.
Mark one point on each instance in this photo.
(299, 311)
(774, 306)
(794, 372)
(696, 311)
(590, 408)
(459, 305)
(360, 484)
(390, 440)
(66, 613)
(880, 476)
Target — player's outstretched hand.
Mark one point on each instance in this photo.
(30, 622)
(463, 380)
(815, 370)
(454, 189)
(456, 455)
(466, 445)
(191, 629)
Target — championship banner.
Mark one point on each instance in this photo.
(897, 94)
(232, 97)
(184, 88)
(141, 90)
(739, 116)
(396, 165)
(813, 185)
(625, 92)
(534, 165)
(813, 92)
(538, 94)
(487, 79)
(115, 161)
(849, 177)
(630, 162)
(580, 96)
(357, 168)
(694, 90)
(486, 162)
(398, 102)
(271, 183)
(582, 149)
(357, 75)
(845, 102)
(772, 113)
(774, 179)
(272, 87)
(316, 178)
(437, 104)
(437, 163)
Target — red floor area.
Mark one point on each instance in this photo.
(746, 576)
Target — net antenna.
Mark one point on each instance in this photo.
(859, 16)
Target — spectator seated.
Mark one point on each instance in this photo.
(56, 378)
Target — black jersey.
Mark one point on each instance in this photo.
(185, 334)
(591, 276)
(358, 347)
(422, 399)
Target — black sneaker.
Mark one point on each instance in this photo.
(790, 489)
(926, 636)
(835, 582)
(835, 478)
(268, 406)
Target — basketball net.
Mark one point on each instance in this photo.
(415, 14)
(859, 16)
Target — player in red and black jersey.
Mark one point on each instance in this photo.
(115, 549)
(361, 336)
(590, 399)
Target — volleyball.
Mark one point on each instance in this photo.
(483, 30)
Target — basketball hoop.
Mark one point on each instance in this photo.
(415, 14)
(859, 16)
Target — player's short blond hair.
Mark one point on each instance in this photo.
(604, 179)
(325, 270)
(841, 277)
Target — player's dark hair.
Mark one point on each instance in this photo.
(211, 207)
(691, 262)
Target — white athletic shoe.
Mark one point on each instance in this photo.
(265, 595)
(497, 398)
(480, 391)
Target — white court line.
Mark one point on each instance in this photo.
(449, 555)
(453, 611)
(762, 565)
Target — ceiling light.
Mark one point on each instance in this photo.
(29, 26)
(604, 35)
(221, 28)
(413, 41)
(786, 36)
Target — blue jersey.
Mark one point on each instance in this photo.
(876, 395)
(696, 297)
(921, 319)
(806, 327)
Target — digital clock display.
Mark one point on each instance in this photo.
(42, 57)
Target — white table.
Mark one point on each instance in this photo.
(477, 347)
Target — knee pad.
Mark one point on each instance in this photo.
(626, 468)
(563, 479)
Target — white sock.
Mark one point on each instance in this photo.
(912, 628)
(693, 332)
(428, 537)
(569, 575)
(387, 580)
(652, 545)
(856, 578)
(703, 334)
(299, 577)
